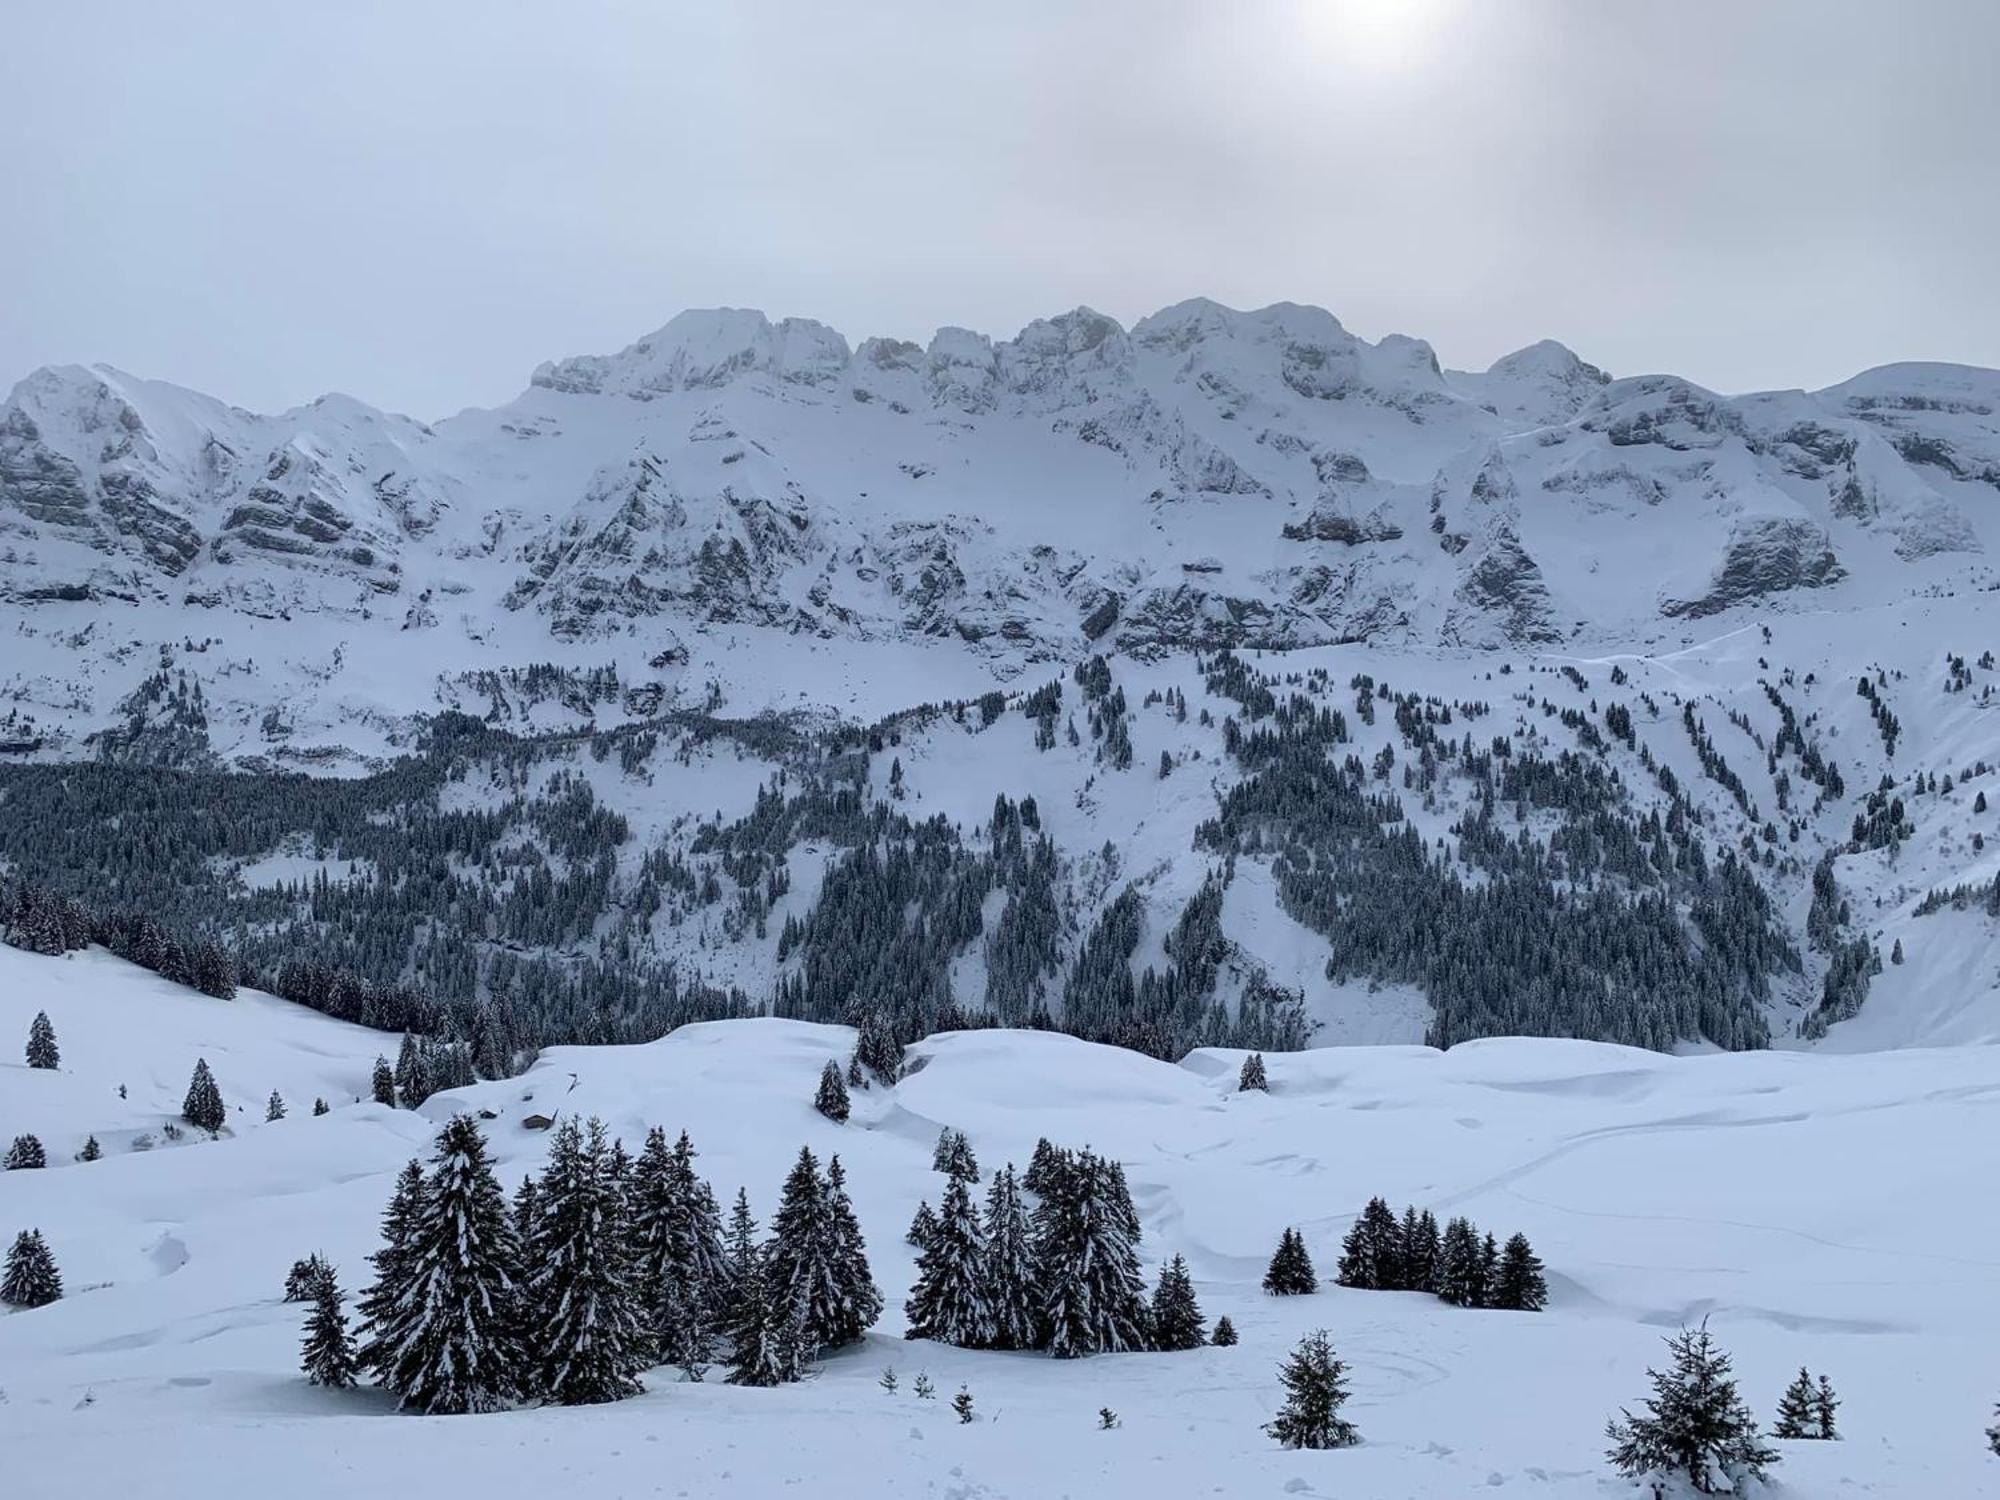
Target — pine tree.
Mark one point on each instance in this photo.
(923, 1387)
(91, 1150)
(888, 1379)
(954, 1157)
(274, 1109)
(1695, 1425)
(1371, 1257)
(328, 1355)
(1107, 1419)
(1291, 1271)
(383, 1087)
(1519, 1285)
(203, 1106)
(1252, 1076)
(32, 1279)
(1009, 1271)
(1045, 1167)
(413, 1073)
(590, 1339)
(393, 1268)
(319, 1108)
(763, 1330)
(948, 1300)
(1086, 1267)
(1315, 1389)
(923, 1224)
(449, 1339)
(1796, 1415)
(1460, 1280)
(862, 1299)
(1224, 1336)
(832, 1099)
(962, 1404)
(304, 1277)
(1422, 1247)
(1825, 1404)
(25, 1154)
(42, 1049)
(810, 1264)
(1489, 1269)
(1177, 1320)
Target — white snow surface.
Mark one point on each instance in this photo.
(1829, 1209)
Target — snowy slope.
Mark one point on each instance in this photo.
(1816, 1208)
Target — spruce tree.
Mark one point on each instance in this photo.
(1489, 1269)
(1695, 1425)
(762, 1331)
(383, 1086)
(1460, 1269)
(1291, 1271)
(1315, 1390)
(25, 1154)
(91, 1150)
(810, 1263)
(449, 1340)
(832, 1100)
(1224, 1336)
(1993, 1432)
(590, 1339)
(1421, 1249)
(922, 1386)
(1825, 1404)
(1371, 1257)
(1009, 1272)
(962, 1404)
(1796, 1415)
(203, 1105)
(31, 1279)
(948, 1300)
(304, 1277)
(1177, 1320)
(42, 1049)
(1252, 1076)
(888, 1379)
(274, 1108)
(953, 1156)
(862, 1299)
(1519, 1285)
(923, 1224)
(1045, 1167)
(328, 1355)
(394, 1270)
(1086, 1267)
(319, 1108)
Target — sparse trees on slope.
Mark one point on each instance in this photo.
(1291, 1271)
(589, 1340)
(328, 1354)
(1177, 1320)
(832, 1100)
(25, 1154)
(948, 1303)
(31, 1279)
(1252, 1076)
(1009, 1270)
(448, 1342)
(1694, 1425)
(1315, 1390)
(203, 1105)
(42, 1049)
(1519, 1285)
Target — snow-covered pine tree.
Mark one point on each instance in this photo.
(1371, 1257)
(1045, 1167)
(1086, 1268)
(1796, 1418)
(1519, 1286)
(953, 1156)
(1695, 1425)
(888, 1379)
(1224, 1336)
(862, 1298)
(31, 1279)
(393, 1271)
(1421, 1248)
(923, 1387)
(763, 1335)
(1252, 1075)
(25, 1154)
(1291, 1271)
(1459, 1277)
(382, 1087)
(962, 1404)
(1825, 1404)
(328, 1354)
(413, 1074)
(697, 1226)
(876, 1048)
(302, 1281)
(274, 1107)
(1315, 1384)
(42, 1049)
(203, 1105)
(1177, 1320)
(1009, 1271)
(319, 1108)
(448, 1339)
(923, 1224)
(589, 1338)
(832, 1100)
(948, 1300)
(805, 1261)
(1489, 1269)
(91, 1150)
(1119, 1196)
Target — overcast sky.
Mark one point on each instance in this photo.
(417, 202)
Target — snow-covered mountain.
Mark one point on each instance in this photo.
(1208, 477)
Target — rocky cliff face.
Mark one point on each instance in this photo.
(1207, 477)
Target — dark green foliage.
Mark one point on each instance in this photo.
(42, 1049)
(1086, 1266)
(25, 1154)
(953, 1156)
(203, 1106)
(304, 1276)
(91, 1150)
(1519, 1285)
(1252, 1076)
(1797, 1417)
(1315, 1390)
(961, 1404)
(274, 1107)
(328, 1354)
(1224, 1336)
(31, 1279)
(1461, 1266)
(588, 1337)
(383, 1086)
(1008, 1273)
(1694, 1425)
(1371, 1257)
(1177, 1320)
(1291, 1272)
(764, 1328)
(948, 1301)
(831, 1099)
(816, 1262)
(1420, 1240)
